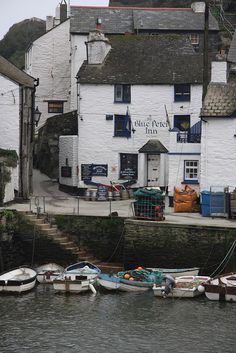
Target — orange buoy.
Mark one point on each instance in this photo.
(126, 276)
(139, 268)
(131, 279)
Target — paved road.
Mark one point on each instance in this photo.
(50, 199)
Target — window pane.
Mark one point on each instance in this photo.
(126, 93)
(55, 107)
(191, 170)
(182, 93)
(118, 93)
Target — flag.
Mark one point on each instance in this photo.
(167, 118)
(127, 122)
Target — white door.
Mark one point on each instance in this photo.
(153, 170)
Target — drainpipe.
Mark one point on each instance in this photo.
(205, 50)
(78, 121)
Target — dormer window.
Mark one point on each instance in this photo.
(122, 94)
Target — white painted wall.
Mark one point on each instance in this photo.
(9, 188)
(68, 146)
(9, 114)
(96, 142)
(178, 153)
(49, 60)
(218, 154)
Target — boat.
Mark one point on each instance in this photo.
(77, 278)
(180, 287)
(138, 280)
(221, 288)
(48, 272)
(109, 282)
(18, 280)
(176, 272)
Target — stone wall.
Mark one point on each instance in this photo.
(154, 244)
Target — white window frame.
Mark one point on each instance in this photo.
(191, 170)
(194, 38)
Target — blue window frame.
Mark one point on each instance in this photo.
(182, 93)
(182, 122)
(122, 94)
(122, 126)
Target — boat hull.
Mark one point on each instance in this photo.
(71, 286)
(222, 288)
(109, 282)
(185, 287)
(17, 281)
(193, 271)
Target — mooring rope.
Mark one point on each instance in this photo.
(226, 259)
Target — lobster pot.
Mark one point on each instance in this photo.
(93, 193)
(116, 195)
(124, 195)
(87, 195)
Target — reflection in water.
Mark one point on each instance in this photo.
(44, 321)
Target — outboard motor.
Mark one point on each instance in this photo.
(169, 285)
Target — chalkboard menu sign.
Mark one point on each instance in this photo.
(102, 193)
(89, 170)
(86, 171)
(66, 172)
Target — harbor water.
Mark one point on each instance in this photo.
(43, 321)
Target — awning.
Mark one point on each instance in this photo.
(153, 147)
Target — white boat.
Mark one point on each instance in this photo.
(77, 278)
(221, 288)
(181, 287)
(176, 272)
(18, 280)
(48, 272)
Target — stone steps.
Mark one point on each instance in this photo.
(65, 242)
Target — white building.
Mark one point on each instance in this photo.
(218, 150)
(139, 106)
(16, 125)
(56, 57)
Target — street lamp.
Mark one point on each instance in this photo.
(36, 116)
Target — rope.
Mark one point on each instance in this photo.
(116, 247)
(227, 257)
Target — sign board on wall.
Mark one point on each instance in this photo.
(66, 172)
(89, 170)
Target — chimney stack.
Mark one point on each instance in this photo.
(98, 47)
(198, 7)
(219, 69)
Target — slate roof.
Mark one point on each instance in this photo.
(220, 100)
(159, 59)
(13, 73)
(177, 20)
(128, 20)
(153, 147)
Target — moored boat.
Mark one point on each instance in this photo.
(180, 287)
(77, 278)
(138, 280)
(108, 281)
(221, 288)
(48, 272)
(176, 272)
(18, 280)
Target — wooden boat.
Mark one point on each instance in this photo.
(222, 287)
(108, 281)
(18, 280)
(138, 280)
(77, 278)
(181, 287)
(176, 272)
(48, 272)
